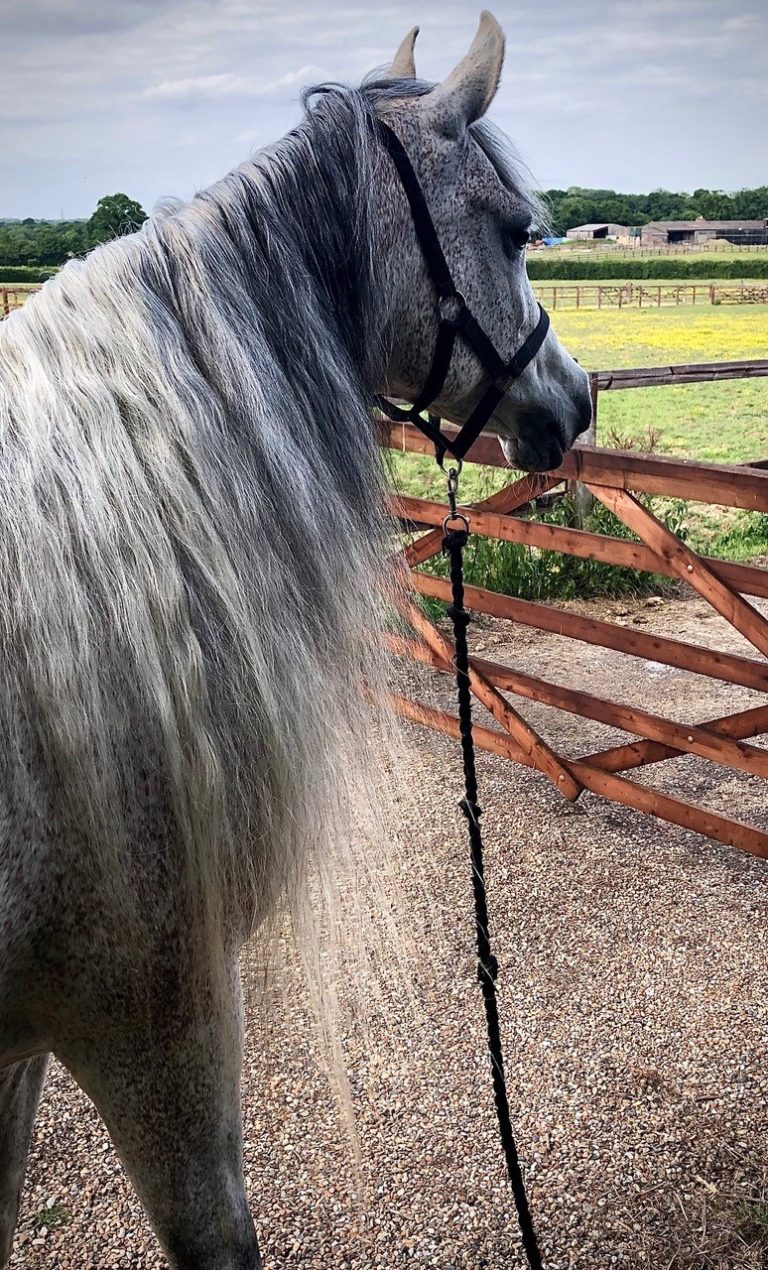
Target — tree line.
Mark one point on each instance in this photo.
(47, 242)
(577, 206)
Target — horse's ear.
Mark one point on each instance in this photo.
(403, 63)
(468, 91)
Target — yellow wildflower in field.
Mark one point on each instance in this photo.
(605, 339)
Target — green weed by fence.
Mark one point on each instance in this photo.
(531, 573)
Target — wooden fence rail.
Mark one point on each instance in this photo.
(645, 295)
(614, 477)
(664, 376)
(13, 298)
(689, 373)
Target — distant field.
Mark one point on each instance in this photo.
(725, 422)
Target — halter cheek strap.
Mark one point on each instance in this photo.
(454, 318)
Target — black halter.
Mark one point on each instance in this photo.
(455, 317)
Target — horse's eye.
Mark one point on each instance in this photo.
(520, 237)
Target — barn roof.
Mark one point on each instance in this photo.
(705, 224)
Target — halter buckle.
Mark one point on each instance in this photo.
(506, 377)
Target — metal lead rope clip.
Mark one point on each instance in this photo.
(454, 516)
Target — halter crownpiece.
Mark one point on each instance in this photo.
(454, 318)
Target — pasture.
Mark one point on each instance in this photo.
(725, 423)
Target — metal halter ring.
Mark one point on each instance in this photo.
(451, 459)
(458, 302)
(451, 518)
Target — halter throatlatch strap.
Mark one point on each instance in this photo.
(454, 318)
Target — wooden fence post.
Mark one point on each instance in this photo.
(583, 499)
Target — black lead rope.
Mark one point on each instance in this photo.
(454, 542)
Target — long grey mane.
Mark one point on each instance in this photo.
(191, 531)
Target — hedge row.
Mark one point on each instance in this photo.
(560, 270)
(23, 273)
(540, 268)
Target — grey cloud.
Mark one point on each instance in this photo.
(202, 87)
(65, 18)
(161, 96)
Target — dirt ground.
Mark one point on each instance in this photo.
(635, 1020)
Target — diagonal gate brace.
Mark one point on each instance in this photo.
(685, 564)
(542, 757)
(504, 501)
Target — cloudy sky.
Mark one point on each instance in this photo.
(159, 97)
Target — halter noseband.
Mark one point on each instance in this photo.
(455, 317)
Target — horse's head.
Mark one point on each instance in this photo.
(482, 213)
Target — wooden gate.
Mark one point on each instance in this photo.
(614, 477)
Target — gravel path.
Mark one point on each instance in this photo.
(635, 1021)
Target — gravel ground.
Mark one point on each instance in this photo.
(634, 1014)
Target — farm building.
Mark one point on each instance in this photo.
(598, 231)
(661, 232)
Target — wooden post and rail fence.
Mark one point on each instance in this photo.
(580, 295)
(615, 478)
(646, 295)
(665, 376)
(13, 298)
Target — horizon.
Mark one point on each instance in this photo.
(159, 98)
(585, 189)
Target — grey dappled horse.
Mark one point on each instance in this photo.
(191, 526)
